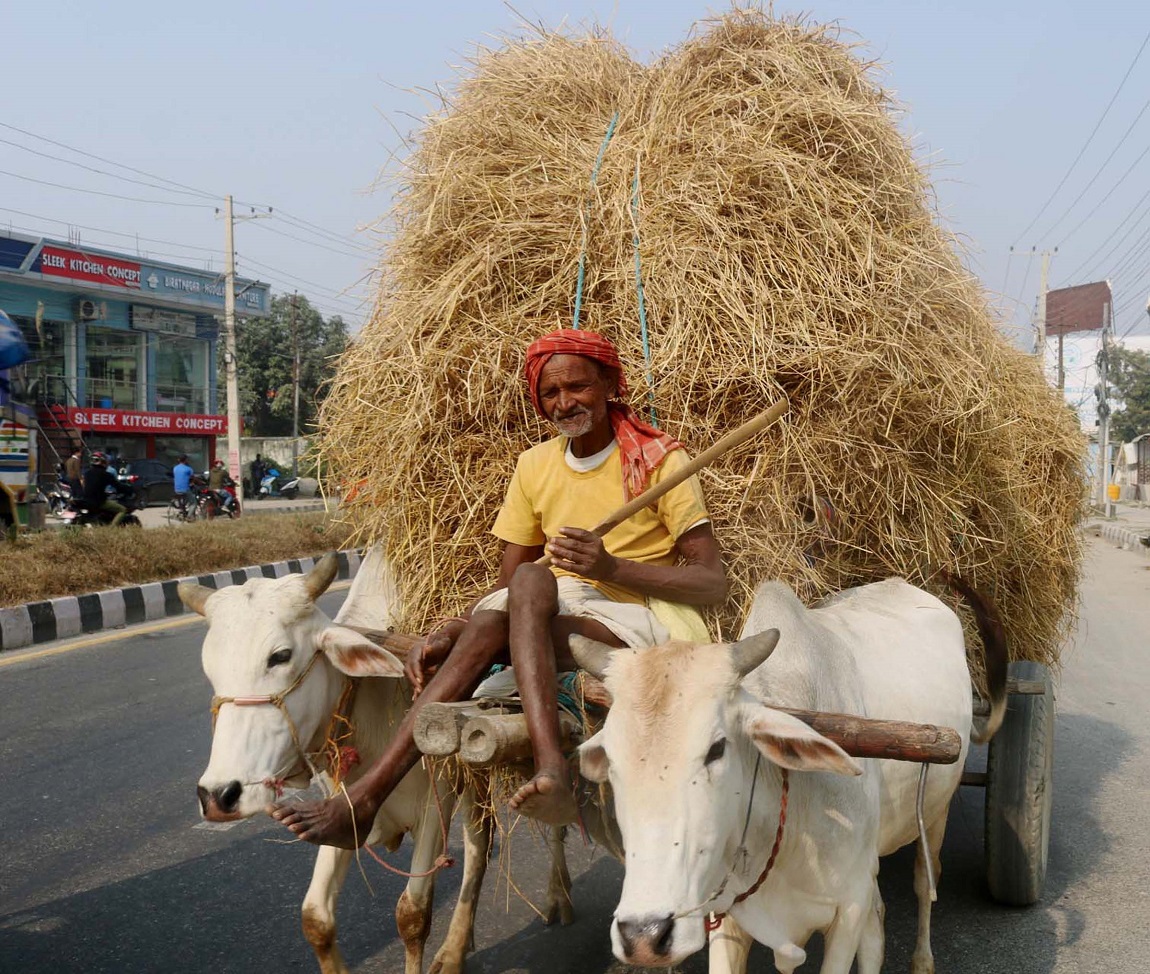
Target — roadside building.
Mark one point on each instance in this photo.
(123, 348)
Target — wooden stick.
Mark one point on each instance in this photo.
(704, 459)
(860, 737)
(487, 740)
(895, 740)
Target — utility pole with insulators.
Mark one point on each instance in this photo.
(1043, 286)
(231, 362)
(1102, 394)
(295, 390)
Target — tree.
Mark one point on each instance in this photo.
(1129, 376)
(264, 349)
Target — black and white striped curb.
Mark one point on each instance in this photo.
(74, 615)
(1124, 537)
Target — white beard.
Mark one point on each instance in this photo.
(577, 425)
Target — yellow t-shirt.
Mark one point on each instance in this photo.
(545, 495)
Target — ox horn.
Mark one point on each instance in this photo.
(590, 655)
(751, 652)
(321, 576)
(195, 596)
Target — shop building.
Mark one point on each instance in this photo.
(123, 348)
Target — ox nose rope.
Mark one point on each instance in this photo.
(712, 921)
(341, 757)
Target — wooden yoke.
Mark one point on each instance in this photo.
(860, 737)
(439, 727)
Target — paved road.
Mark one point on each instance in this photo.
(155, 516)
(105, 866)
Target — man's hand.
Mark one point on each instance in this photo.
(582, 552)
(425, 657)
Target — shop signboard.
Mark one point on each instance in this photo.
(76, 265)
(204, 289)
(160, 319)
(65, 264)
(132, 421)
(13, 252)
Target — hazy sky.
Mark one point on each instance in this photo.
(293, 104)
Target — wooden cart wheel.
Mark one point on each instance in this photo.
(1020, 792)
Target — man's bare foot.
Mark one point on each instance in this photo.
(546, 798)
(328, 822)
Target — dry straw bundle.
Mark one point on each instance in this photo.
(788, 247)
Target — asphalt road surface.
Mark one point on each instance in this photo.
(105, 866)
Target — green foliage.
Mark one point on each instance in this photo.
(265, 352)
(1129, 376)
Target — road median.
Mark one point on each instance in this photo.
(74, 615)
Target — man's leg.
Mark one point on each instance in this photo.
(117, 509)
(538, 640)
(332, 822)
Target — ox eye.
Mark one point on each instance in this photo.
(717, 750)
(279, 657)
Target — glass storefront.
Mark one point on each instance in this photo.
(53, 354)
(181, 374)
(115, 369)
(169, 448)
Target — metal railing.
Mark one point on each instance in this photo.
(112, 394)
(177, 397)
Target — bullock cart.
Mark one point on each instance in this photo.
(1019, 783)
(490, 733)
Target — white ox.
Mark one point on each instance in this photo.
(268, 637)
(695, 752)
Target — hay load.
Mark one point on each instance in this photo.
(788, 246)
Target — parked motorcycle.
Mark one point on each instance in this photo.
(77, 515)
(275, 484)
(58, 497)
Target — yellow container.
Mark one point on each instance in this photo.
(1113, 491)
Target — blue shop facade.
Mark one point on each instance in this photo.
(124, 348)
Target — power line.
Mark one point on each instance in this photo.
(1089, 139)
(301, 280)
(102, 172)
(110, 162)
(290, 218)
(1134, 209)
(111, 233)
(330, 235)
(96, 192)
(312, 243)
(1097, 206)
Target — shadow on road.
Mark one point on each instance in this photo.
(236, 909)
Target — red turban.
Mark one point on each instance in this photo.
(643, 447)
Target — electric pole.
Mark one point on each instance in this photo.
(230, 362)
(1043, 284)
(1102, 392)
(295, 390)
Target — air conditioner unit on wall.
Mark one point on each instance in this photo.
(88, 310)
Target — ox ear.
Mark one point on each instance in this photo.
(353, 653)
(590, 655)
(788, 742)
(593, 763)
(752, 651)
(195, 596)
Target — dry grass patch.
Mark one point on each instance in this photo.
(74, 562)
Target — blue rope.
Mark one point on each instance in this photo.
(639, 293)
(587, 218)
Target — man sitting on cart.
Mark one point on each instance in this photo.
(597, 587)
